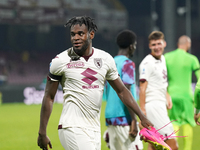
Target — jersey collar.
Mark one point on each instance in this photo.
(87, 57)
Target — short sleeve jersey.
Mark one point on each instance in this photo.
(83, 82)
(154, 71)
(180, 66)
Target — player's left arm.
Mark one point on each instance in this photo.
(133, 127)
(128, 78)
(128, 100)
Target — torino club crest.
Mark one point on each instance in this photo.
(98, 62)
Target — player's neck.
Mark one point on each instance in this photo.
(156, 57)
(183, 48)
(88, 52)
(123, 52)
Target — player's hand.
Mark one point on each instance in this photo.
(146, 123)
(43, 142)
(140, 125)
(196, 117)
(133, 130)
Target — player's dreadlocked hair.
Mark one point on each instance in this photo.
(89, 22)
(156, 35)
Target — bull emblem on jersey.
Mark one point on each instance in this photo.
(98, 62)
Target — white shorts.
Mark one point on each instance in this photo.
(119, 139)
(157, 113)
(80, 139)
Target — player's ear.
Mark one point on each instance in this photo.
(132, 46)
(92, 34)
(149, 46)
(165, 43)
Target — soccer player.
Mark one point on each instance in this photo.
(153, 87)
(180, 66)
(197, 102)
(82, 71)
(121, 127)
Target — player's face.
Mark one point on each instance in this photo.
(157, 47)
(81, 39)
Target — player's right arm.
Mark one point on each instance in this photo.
(145, 70)
(46, 109)
(142, 95)
(55, 75)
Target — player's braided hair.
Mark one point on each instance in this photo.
(89, 22)
(156, 35)
(125, 38)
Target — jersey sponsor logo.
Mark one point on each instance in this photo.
(98, 62)
(90, 86)
(78, 64)
(143, 71)
(89, 76)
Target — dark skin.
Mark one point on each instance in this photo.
(133, 127)
(128, 52)
(47, 106)
(79, 38)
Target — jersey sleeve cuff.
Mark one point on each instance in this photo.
(54, 77)
(142, 80)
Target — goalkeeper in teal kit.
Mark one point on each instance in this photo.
(180, 66)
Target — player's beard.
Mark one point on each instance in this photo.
(83, 49)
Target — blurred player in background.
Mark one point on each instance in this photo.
(154, 99)
(121, 127)
(82, 71)
(180, 66)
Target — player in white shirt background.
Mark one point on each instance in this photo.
(82, 71)
(153, 88)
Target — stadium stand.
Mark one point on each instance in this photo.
(38, 16)
(32, 71)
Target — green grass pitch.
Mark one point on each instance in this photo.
(19, 124)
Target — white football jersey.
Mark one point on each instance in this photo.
(154, 71)
(83, 83)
